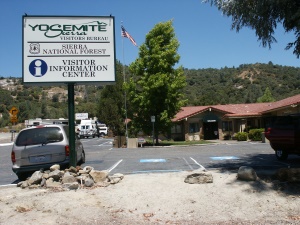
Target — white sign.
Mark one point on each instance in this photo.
(62, 49)
(81, 116)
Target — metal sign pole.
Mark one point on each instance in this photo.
(153, 121)
(73, 158)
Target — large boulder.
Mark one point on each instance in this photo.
(99, 176)
(35, 178)
(68, 178)
(246, 173)
(199, 178)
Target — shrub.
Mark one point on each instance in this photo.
(255, 134)
(241, 136)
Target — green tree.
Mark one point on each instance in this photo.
(44, 112)
(5, 97)
(110, 108)
(267, 96)
(156, 88)
(263, 16)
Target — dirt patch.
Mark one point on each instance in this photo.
(157, 199)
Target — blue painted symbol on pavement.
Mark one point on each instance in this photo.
(224, 158)
(152, 160)
(38, 68)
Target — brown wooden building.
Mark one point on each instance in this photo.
(223, 121)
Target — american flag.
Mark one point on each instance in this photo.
(124, 33)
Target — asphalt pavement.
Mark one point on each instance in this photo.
(7, 137)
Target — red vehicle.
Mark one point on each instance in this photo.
(284, 135)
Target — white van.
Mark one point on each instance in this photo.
(102, 129)
(87, 128)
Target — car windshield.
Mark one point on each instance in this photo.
(37, 136)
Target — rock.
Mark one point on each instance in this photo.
(199, 178)
(88, 169)
(43, 182)
(46, 175)
(72, 169)
(116, 178)
(50, 183)
(56, 175)
(33, 186)
(55, 167)
(99, 176)
(246, 173)
(68, 178)
(24, 184)
(71, 186)
(289, 174)
(35, 178)
(88, 182)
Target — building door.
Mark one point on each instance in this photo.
(210, 130)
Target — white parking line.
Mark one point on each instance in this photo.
(104, 143)
(188, 164)
(115, 165)
(202, 167)
(6, 144)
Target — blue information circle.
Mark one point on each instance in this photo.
(38, 68)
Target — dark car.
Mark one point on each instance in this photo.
(284, 135)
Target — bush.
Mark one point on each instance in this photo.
(255, 134)
(241, 136)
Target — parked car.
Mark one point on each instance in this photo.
(42, 146)
(284, 135)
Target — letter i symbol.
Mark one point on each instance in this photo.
(38, 69)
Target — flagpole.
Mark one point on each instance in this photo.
(126, 132)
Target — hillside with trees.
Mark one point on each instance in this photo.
(244, 84)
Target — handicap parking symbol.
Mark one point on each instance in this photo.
(38, 68)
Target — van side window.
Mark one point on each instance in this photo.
(38, 136)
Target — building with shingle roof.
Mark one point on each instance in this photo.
(223, 121)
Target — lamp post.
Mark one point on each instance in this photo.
(153, 121)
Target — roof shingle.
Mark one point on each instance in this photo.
(238, 110)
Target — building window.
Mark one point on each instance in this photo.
(227, 125)
(194, 127)
(176, 129)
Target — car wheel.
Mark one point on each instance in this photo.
(281, 154)
(82, 160)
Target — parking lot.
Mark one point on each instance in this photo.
(224, 155)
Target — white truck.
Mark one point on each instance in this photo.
(87, 128)
(102, 129)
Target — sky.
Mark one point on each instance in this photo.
(205, 35)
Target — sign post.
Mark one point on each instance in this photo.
(153, 121)
(69, 50)
(14, 119)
